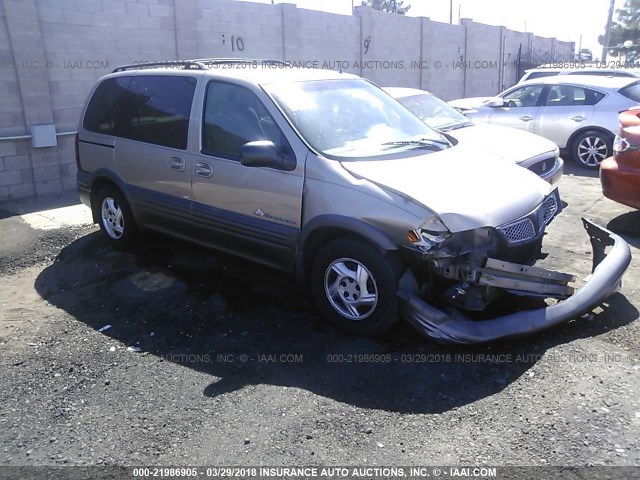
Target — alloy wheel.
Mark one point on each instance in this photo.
(592, 150)
(112, 218)
(351, 289)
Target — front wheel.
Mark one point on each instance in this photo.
(354, 287)
(591, 148)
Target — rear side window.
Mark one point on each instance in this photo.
(106, 104)
(150, 109)
(631, 91)
(569, 95)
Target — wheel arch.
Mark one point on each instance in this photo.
(325, 228)
(102, 178)
(591, 128)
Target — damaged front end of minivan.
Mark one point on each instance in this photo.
(468, 270)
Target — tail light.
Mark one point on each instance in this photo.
(621, 144)
(78, 152)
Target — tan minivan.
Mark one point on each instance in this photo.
(323, 175)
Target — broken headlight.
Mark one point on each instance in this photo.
(425, 239)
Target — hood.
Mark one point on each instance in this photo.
(504, 142)
(470, 103)
(466, 188)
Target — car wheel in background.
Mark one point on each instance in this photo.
(590, 148)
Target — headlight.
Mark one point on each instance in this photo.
(425, 240)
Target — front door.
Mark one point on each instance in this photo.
(521, 106)
(252, 211)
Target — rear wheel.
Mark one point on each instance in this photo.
(591, 148)
(354, 287)
(115, 217)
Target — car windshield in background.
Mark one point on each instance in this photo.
(534, 75)
(434, 112)
(632, 91)
(352, 119)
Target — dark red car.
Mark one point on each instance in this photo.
(620, 174)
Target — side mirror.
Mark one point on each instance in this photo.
(495, 102)
(264, 153)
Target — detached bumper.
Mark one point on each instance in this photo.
(608, 269)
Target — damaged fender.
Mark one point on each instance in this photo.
(608, 269)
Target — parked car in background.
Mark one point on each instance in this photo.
(586, 70)
(578, 113)
(585, 55)
(322, 175)
(620, 174)
(528, 150)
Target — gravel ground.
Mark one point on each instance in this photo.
(234, 366)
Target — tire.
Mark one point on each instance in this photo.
(590, 148)
(348, 268)
(115, 218)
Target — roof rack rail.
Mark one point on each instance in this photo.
(223, 61)
(186, 64)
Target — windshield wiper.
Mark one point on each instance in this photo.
(423, 142)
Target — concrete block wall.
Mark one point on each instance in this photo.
(334, 39)
(443, 47)
(230, 29)
(393, 41)
(53, 51)
(483, 44)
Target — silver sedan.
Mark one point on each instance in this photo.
(578, 113)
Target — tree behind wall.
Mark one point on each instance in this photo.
(627, 27)
(393, 6)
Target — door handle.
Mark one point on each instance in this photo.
(526, 118)
(577, 118)
(203, 169)
(177, 164)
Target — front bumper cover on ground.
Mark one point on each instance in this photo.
(607, 272)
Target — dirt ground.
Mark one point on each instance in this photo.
(235, 368)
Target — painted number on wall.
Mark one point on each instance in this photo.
(367, 44)
(237, 43)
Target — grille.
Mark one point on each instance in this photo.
(519, 231)
(542, 166)
(546, 211)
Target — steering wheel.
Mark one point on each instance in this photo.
(510, 103)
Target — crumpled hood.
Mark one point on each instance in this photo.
(466, 188)
(504, 142)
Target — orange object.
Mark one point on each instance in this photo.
(620, 174)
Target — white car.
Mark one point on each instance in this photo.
(578, 113)
(534, 73)
(528, 150)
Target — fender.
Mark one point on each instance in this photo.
(114, 178)
(376, 236)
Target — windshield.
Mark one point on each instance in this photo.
(434, 112)
(349, 119)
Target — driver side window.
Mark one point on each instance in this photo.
(233, 116)
(523, 97)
